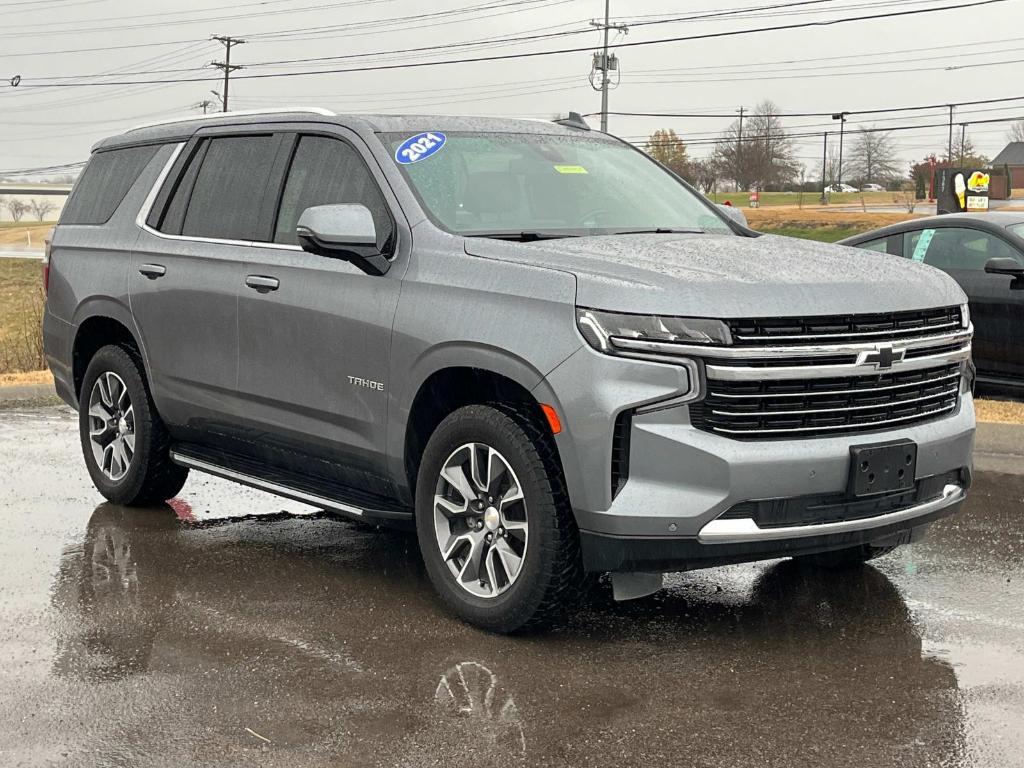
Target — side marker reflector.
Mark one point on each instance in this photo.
(552, 416)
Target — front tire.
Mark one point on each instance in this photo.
(125, 444)
(495, 529)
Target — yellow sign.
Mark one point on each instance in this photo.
(570, 169)
(978, 182)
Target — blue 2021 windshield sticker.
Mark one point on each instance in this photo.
(419, 147)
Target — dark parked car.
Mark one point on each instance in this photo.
(984, 252)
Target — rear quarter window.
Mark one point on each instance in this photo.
(104, 183)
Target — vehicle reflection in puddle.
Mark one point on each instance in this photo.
(321, 635)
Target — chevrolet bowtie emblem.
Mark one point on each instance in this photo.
(882, 357)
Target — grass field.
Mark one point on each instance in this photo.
(769, 199)
(24, 235)
(827, 226)
(21, 304)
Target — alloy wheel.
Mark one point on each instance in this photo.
(111, 425)
(480, 520)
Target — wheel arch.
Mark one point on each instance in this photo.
(98, 324)
(450, 378)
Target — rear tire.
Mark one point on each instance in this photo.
(513, 564)
(844, 558)
(125, 444)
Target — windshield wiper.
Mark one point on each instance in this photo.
(662, 231)
(521, 237)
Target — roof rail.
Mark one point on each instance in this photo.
(239, 113)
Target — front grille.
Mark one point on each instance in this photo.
(837, 507)
(815, 407)
(887, 326)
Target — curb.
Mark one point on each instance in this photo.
(999, 448)
(17, 392)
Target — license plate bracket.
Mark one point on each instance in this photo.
(882, 468)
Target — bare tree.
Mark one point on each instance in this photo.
(758, 154)
(17, 208)
(873, 157)
(706, 173)
(964, 153)
(667, 148)
(1016, 132)
(41, 207)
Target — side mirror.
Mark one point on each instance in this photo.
(343, 231)
(1007, 266)
(734, 213)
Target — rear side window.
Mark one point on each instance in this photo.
(221, 193)
(104, 183)
(875, 245)
(326, 171)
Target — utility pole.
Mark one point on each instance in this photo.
(963, 140)
(604, 63)
(204, 105)
(949, 149)
(841, 117)
(226, 66)
(739, 150)
(824, 169)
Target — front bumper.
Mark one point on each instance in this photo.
(682, 479)
(663, 554)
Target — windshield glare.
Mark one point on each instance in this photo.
(480, 183)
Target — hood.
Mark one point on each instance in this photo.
(729, 276)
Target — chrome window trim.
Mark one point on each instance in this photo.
(809, 350)
(742, 373)
(147, 207)
(742, 530)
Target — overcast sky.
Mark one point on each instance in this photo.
(854, 66)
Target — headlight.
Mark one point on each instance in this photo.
(601, 329)
(965, 316)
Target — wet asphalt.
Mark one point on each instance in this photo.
(234, 628)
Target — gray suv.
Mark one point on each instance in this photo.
(527, 340)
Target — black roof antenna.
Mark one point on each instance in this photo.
(574, 120)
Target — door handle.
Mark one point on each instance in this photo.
(262, 284)
(153, 271)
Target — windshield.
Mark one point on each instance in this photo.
(545, 186)
(1017, 229)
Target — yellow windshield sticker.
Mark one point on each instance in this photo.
(570, 169)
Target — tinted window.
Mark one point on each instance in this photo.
(104, 183)
(229, 188)
(875, 245)
(956, 248)
(326, 171)
(174, 214)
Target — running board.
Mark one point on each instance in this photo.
(314, 494)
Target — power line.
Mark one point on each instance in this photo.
(45, 30)
(535, 54)
(747, 139)
(820, 114)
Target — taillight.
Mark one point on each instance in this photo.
(46, 266)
